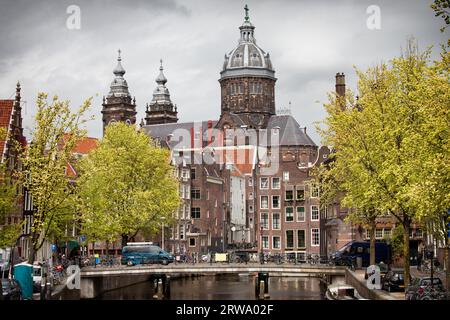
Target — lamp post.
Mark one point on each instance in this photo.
(262, 251)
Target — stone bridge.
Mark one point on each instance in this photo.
(95, 281)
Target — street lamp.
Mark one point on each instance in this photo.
(262, 252)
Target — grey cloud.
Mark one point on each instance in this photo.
(309, 41)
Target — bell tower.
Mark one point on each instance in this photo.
(247, 82)
(161, 109)
(118, 105)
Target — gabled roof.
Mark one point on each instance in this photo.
(85, 145)
(82, 148)
(161, 132)
(6, 110)
(290, 132)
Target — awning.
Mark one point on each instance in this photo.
(72, 244)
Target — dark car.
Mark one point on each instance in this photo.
(419, 286)
(349, 253)
(394, 280)
(10, 290)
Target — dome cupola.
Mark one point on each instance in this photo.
(247, 81)
(247, 58)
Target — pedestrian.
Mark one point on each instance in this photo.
(419, 256)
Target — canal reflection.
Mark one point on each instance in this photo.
(225, 287)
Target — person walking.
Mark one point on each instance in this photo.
(420, 257)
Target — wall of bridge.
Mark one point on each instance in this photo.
(94, 286)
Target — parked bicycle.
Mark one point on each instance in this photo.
(58, 273)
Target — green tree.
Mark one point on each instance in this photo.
(126, 185)
(442, 9)
(8, 197)
(380, 142)
(335, 181)
(56, 131)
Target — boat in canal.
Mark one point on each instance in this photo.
(342, 292)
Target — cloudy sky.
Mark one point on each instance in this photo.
(308, 41)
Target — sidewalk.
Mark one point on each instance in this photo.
(359, 273)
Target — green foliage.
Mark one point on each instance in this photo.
(8, 191)
(126, 185)
(442, 9)
(391, 145)
(8, 198)
(9, 234)
(397, 240)
(56, 132)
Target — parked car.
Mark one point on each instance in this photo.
(143, 254)
(37, 278)
(419, 286)
(394, 280)
(349, 253)
(11, 290)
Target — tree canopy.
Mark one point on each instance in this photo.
(126, 185)
(391, 143)
(56, 131)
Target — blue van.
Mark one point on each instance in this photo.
(145, 254)
(354, 249)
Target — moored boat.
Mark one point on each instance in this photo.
(342, 292)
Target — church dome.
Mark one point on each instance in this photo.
(247, 59)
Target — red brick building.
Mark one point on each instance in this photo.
(11, 122)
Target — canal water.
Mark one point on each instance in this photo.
(225, 287)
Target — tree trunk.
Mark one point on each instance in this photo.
(33, 249)
(447, 262)
(124, 240)
(107, 250)
(372, 242)
(406, 227)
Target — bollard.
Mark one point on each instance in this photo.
(159, 291)
(155, 288)
(262, 286)
(166, 292)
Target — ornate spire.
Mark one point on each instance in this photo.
(161, 108)
(161, 79)
(119, 86)
(18, 91)
(119, 70)
(247, 29)
(247, 18)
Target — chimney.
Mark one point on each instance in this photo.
(340, 84)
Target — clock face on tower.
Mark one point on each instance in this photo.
(256, 119)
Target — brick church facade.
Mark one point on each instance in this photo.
(263, 199)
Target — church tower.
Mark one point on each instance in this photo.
(247, 83)
(161, 109)
(118, 105)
